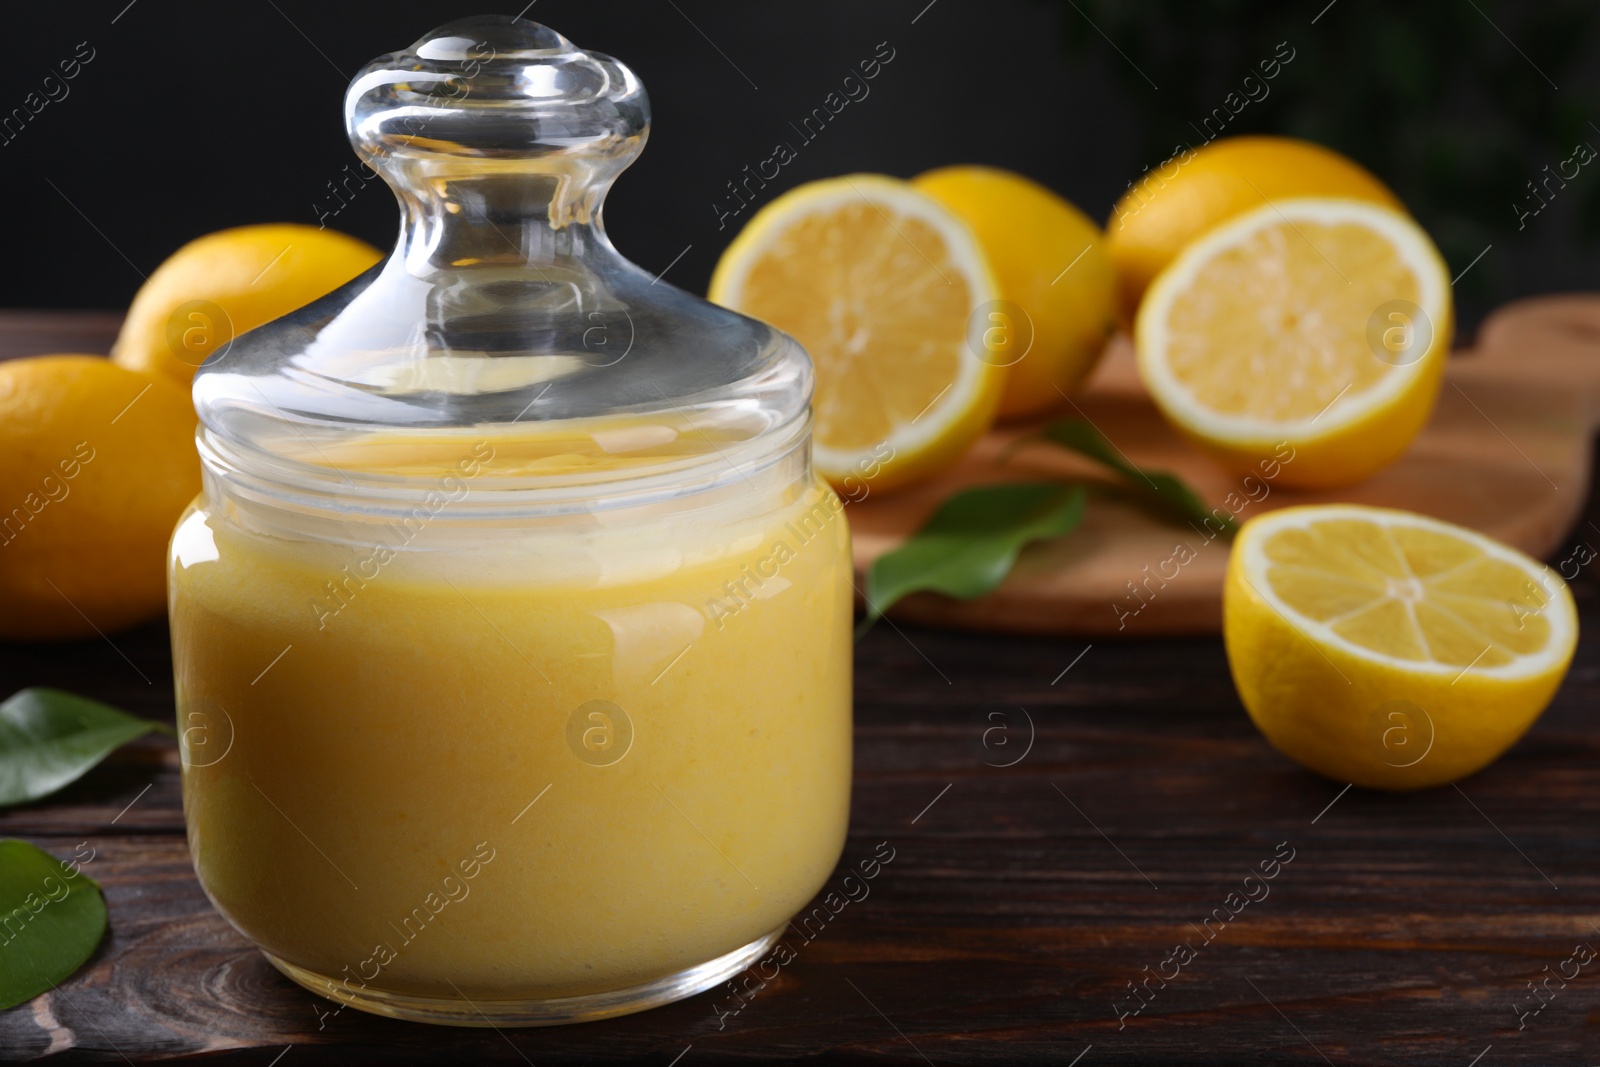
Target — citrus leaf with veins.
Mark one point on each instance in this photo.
(49, 739)
(971, 543)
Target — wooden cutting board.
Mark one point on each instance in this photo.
(1508, 452)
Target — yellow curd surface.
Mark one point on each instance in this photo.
(395, 776)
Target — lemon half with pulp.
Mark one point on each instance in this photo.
(880, 283)
(1390, 649)
(1320, 325)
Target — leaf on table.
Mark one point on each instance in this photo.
(53, 917)
(969, 545)
(1164, 488)
(49, 738)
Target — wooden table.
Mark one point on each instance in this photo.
(1020, 902)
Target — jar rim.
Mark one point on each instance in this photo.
(476, 492)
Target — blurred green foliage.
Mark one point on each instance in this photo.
(1457, 104)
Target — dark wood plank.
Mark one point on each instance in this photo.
(1011, 919)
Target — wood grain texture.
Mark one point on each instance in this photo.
(1017, 907)
(1507, 452)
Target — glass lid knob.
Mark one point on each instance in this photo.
(504, 308)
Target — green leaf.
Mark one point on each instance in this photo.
(49, 738)
(1165, 489)
(969, 545)
(51, 918)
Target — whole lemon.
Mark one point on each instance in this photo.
(1058, 302)
(1195, 190)
(218, 286)
(96, 464)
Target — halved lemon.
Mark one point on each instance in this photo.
(885, 289)
(1389, 649)
(1320, 325)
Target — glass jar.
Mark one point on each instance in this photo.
(512, 629)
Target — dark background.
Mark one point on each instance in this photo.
(193, 117)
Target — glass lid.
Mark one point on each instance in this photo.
(504, 314)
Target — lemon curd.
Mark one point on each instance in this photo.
(647, 729)
(511, 629)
